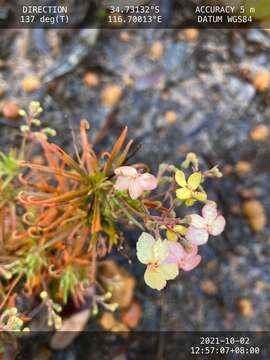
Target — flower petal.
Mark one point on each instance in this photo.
(197, 236)
(135, 189)
(217, 226)
(154, 278)
(181, 229)
(148, 181)
(180, 178)
(171, 235)
(198, 221)
(176, 253)
(145, 248)
(126, 171)
(209, 212)
(183, 193)
(122, 183)
(169, 271)
(191, 263)
(194, 180)
(160, 250)
(192, 250)
(199, 195)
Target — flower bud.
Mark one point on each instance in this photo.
(215, 172)
(24, 128)
(57, 307)
(36, 122)
(35, 108)
(57, 322)
(43, 295)
(49, 132)
(22, 113)
(95, 310)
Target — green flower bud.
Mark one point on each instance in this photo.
(22, 113)
(24, 128)
(95, 310)
(43, 295)
(50, 321)
(57, 308)
(36, 122)
(49, 132)
(215, 172)
(57, 322)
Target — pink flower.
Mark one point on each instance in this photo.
(128, 178)
(210, 223)
(186, 261)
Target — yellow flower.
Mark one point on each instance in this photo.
(189, 189)
(172, 236)
(153, 253)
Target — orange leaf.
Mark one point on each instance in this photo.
(71, 195)
(124, 154)
(52, 161)
(96, 222)
(115, 150)
(89, 155)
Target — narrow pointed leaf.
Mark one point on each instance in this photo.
(115, 150)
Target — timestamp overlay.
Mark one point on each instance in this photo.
(207, 345)
(135, 14)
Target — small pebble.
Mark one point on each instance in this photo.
(31, 83)
(227, 169)
(124, 36)
(10, 109)
(262, 80)
(111, 95)
(254, 212)
(170, 117)
(156, 51)
(191, 35)
(242, 167)
(259, 133)
(91, 79)
(246, 308)
(209, 287)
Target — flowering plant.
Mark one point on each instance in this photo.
(59, 218)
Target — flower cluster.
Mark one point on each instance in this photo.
(164, 258)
